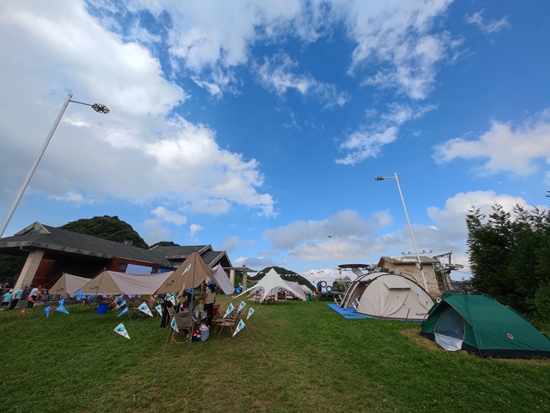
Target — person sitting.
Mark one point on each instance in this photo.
(186, 317)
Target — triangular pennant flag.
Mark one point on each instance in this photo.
(115, 301)
(187, 269)
(242, 305)
(62, 309)
(159, 309)
(122, 304)
(240, 326)
(116, 307)
(80, 295)
(229, 310)
(144, 309)
(123, 312)
(120, 329)
(47, 310)
(174, 324)
(250, 312)
(62, 302)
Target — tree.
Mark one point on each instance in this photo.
(165, 244)
(109, 228)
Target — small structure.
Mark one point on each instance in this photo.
(481, 325)
(271, 281)
(407, 266)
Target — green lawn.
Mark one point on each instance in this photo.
(292, 357)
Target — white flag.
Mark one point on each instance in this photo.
(120, 329)
(144, 309)
(174, 325)
(229, 310)
(250, 312)
(159, 309)
(240, 326)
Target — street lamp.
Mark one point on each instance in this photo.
(96, 106)
(337, 251)
(381, 178)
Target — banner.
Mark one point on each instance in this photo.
(240, 326)
(144, 309)
(120, 329)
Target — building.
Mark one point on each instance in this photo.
(52, 251)
(407, 266)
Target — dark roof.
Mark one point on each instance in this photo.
(39, 236)
(177, 252)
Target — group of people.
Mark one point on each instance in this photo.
(11, 297)
(205, 302)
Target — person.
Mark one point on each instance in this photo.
(7, 298)
(209, 303)
(33, 296)
(165, 304)
(185, 316)
(16, 297)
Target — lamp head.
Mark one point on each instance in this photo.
(99, 108)
(379, 178)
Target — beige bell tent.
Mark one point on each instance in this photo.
(112, 282)
(271, 281)
(68, 284)
(190, 274)
(387, 296)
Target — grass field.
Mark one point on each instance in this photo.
(292, 357)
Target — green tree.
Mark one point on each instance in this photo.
(107, 227)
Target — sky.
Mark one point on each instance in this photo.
(259, 126)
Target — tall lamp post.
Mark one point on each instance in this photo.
(420, 267)
(96, 106)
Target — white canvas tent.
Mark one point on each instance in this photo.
(387, 296)
(222, 280)
(68, 284)
(112, 282)
(271, 281)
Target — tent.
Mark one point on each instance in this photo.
(297, 288)
(190, 274)
(483, 326)
(221, 278)
(387, 296)
(68, 284)
(271, 281)
(112, 282)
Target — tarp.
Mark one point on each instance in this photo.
(222, 280)
(68, 284)
(190, 274)
(112, 282)
(297, 288)
(271, 281)
(481, 325)
(387, 296)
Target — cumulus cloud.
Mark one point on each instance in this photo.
(487, 27)
(504, 147)
(169, 216)
(231, 243)
(194, 228)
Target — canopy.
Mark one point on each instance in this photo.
(388, 296)
(190, 274)
(271, 281)
(222, 280)
(297, 289)
(68, 284)
(481, 325)
(112, 282)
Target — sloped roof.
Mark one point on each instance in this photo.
(181, 253)
(45, 237)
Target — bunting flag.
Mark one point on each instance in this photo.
(123, 312)
(144, 309)
(62, 309)
(229, 310)
(120, 329)
(80, 295)
(159, 309)
(62, 302)
(115, 301)
(122, 304)
(242, 305)
(240, 326)
(174, 324)
(250, 312)
(47, 310)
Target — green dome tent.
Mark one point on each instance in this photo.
(483, 326)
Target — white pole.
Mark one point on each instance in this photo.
(33, 167)
(411, 231)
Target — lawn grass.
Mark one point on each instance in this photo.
(292, 357)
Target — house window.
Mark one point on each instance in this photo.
(122, 267)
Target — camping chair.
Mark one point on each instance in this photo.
(230, 321)
(216, 312)
(183, 323)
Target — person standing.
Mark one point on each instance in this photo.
(16, 297)
(209, 301)
(7, 298)
(33, 296)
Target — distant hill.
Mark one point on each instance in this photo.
(285, 275)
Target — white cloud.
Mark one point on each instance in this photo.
(504, 148)
(169, 216)
(490, 27)
(231, 243)
(154, 231)
(276, 74)
(137, 152)
(194, 228)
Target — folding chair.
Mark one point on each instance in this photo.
(183, 323)
(230, 321)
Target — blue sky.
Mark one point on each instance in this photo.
(259, 127)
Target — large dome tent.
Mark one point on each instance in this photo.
(387, 296)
